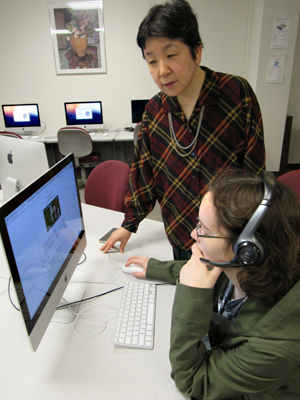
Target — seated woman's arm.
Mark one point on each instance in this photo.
(166, 271)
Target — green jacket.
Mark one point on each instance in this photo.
(257, 357)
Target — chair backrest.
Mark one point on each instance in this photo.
(106, 185)
(292, 179)
(11, 134)
(136, 131)
(74, 140)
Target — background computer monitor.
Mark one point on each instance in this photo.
(21, 118)
(87, 114)
(43, 238)
(21, 162)
(137, 110)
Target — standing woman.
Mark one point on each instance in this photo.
(201, 122)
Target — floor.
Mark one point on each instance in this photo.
(155, 214)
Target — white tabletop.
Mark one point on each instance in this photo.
(51, 137)
(124, 136)
(71, 367)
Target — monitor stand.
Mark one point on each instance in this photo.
(65, 315)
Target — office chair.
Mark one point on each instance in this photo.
(292, 179)
(11, 134)
(78, 141)
(136, 131)
(106, 185)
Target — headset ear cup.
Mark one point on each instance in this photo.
(249, 252)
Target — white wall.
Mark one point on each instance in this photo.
(27, 60)
(294, 106)
(274, 97)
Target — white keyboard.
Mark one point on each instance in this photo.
(136, 320)
(95, 130)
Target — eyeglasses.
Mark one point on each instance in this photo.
(198, 227)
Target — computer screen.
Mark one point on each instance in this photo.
(21, 162)
(21, 118)
(43, 238)
(137, 110)
(87, 114)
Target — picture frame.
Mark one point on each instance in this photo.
(77, 30)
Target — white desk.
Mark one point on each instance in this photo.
(103, 142)
(66, 366)
(124, 136)
(51, 137)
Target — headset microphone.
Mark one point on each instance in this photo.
(225, 264)
(247, 248)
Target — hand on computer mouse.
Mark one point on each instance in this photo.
(138, 261)
(131, 268)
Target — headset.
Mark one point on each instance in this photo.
(247, 248)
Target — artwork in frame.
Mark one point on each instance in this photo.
(77, 31)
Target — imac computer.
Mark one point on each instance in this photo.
(21, 118)
(87, 115)
(137, 110)
(21, 162)
(43, 238)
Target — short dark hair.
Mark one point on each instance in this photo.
(236, 195)
(174, 20)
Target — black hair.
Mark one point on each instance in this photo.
(174, 20)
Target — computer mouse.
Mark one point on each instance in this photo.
(132, 268)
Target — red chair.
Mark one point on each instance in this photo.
(78, 141)
(292, 179)
(11, 134)
(106, 185)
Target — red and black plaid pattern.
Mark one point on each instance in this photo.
(231, 135)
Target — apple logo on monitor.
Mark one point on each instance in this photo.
(10, 157)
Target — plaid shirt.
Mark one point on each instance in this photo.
(231, 135)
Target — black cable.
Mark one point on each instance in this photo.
(79, 301)
(89, 298)
(83, 259)
(164, 283)
(68, 304)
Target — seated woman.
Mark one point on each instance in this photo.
(249, 308)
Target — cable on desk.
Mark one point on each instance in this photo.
(84, 313)
(9, 296)
(64, 305)
(88, 298)
(104, 323)
(44, 127)
(84, 259)
(105, 280)
(164, 284)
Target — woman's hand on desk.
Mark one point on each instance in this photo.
(120, 235)
(142, 261)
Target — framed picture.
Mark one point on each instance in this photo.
(77, 31)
